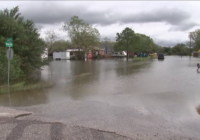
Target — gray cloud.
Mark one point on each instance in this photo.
(183, 27)
(166, 43)
(171, 16)
(52, 13)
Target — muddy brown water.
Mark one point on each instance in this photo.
(153, 82)
(169, 88)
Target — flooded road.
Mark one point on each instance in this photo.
(105, 94)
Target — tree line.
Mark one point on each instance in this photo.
(29, 46)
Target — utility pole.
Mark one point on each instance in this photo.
(190, 45)
(106, 44)
(9, 44)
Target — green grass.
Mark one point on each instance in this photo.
(22, 86)
(198, 109)
(144, 58)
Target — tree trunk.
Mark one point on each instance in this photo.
(127, 52)
(85, 54)
(190, 48)
(127, 55)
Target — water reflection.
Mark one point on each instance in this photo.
(115, 90)
(144, 84)
(123, 68)
(25, 98)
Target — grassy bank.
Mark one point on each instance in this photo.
(22, 86)
(198, 109)
(144, 58)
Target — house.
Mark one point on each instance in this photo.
(45, 54)
(95, 51)
(74, 52)
(67, 54)
(196, 54)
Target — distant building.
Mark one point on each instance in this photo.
(196, 54)
(95, 51)
(45, 54)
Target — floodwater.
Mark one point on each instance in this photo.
(168, 89)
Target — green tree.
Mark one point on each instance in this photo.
(125, 40)
(195, 39)
(28, 46)
(107, 44)
(146, 44)
(167, 50)
(82, 34)
(60, 45)
(51, 37)
(180, 49)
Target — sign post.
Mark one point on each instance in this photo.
(9, 56)
(9, 44)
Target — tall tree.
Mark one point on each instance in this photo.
(180, 49)
(145, 44)
(125, 40)
(106, 44)
(82, 34)
(60, 45)
(167, 50)
(195, 38)
(51, 37)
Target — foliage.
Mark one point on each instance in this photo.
(125, 40)
(96, 57)
(21, 86)
(50, 38)
(27, 47)
(195, 38)
(167, 50)
(180, 49)
(15, 71)
(60, 45)
(145, 44)
(135, 42)
(81, 34)
(107, 44)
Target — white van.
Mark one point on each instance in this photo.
(119, 54)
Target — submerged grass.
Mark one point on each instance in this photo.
(144, 58)
(198, 109)
(23, 86)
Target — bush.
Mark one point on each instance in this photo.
(15, 71)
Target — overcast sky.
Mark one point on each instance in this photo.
(167, 22)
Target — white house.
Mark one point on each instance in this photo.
(67, 54)
(45, 54)
(60, 55)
